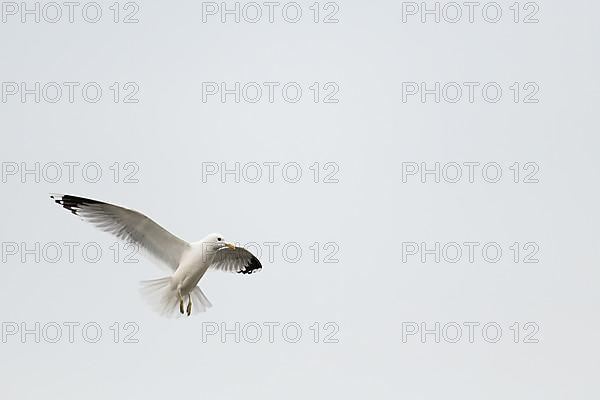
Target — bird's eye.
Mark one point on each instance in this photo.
(219, 239)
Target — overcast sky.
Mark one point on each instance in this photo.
(423, 197)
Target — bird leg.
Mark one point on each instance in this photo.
(189, 306)
(180, 303)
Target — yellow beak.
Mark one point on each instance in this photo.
(230, 245)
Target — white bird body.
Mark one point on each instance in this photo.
(187, 261)
(193, 265)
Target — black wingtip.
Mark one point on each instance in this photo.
(253, 267)
(72, 203)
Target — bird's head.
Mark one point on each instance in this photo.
(216, 241)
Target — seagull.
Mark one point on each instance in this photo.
(187, 262)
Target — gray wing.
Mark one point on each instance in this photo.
(238, 260)
(128, 225)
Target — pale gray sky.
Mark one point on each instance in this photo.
(171, 149)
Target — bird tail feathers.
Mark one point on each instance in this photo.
(163, 298)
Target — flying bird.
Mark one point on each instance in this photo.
(187, 262)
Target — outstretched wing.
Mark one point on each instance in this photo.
(128, 225)
(238, 260)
